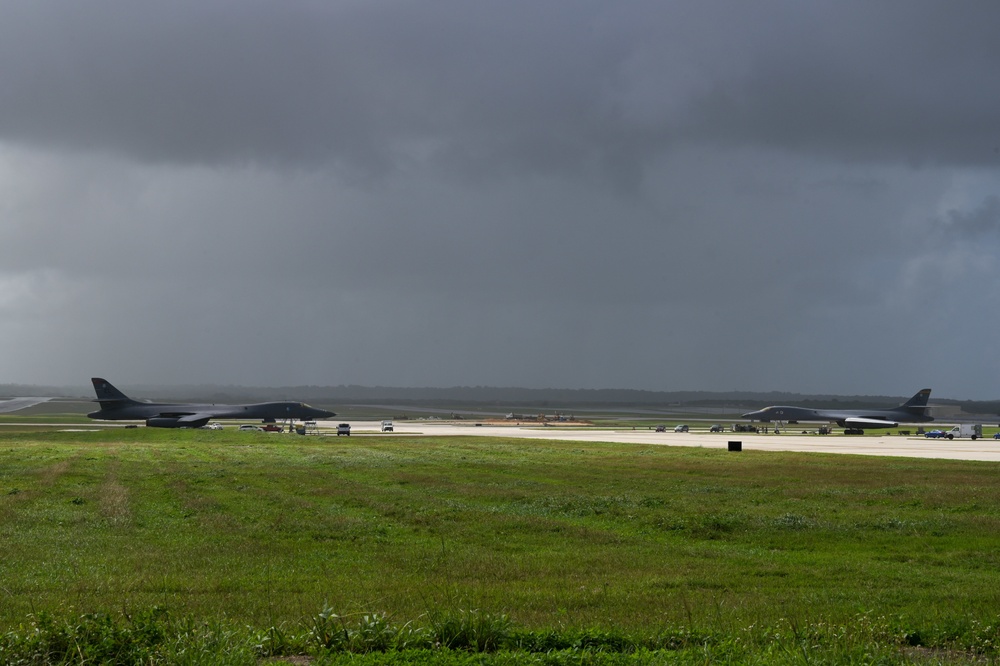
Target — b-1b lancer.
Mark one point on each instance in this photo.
(116, 406)
(855, 420)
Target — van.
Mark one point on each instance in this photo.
(386, 426)
(973, 430)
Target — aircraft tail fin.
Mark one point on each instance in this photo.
(918, 403)
(108, 395)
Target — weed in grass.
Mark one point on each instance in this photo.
(278, 640)
(374, 633)
(154, 637)
(470, 630)
(327, 631)
(90, 638)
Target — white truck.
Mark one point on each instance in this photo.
(973, 430)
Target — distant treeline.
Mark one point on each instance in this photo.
(550, 398)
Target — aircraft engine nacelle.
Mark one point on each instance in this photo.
(173, 422)
(163, 422)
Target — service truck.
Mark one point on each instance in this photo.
(973, 430)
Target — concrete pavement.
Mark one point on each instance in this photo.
(870, 445)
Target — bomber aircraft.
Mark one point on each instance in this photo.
(116, 406)
(855, 420)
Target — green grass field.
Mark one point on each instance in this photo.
(680, 552)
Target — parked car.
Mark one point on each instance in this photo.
(270, 427)
(715, 428)
(681, 428)
(661, 428)
(387, 426)
(935, 434)
(343, 429)
(996, 435)
(246, 427)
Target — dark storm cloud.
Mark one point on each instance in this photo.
(189, 82)
(973, 223)
(499, 87)
(302, 83)
(643, 194)
(896, 82)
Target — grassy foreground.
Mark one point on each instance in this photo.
(135, 546)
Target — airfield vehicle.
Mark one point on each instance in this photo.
(971, 430)
(935, 434)
(246, 427)
(661, 428)
(343, 429)
(716, 428)
(681, 428)
(387, 426)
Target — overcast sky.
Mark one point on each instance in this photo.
(703, 195)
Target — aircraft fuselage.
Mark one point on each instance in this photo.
(911, 411)
(116, 406)
(874, 417)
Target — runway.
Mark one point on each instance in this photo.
(15, 404)
(866, 445)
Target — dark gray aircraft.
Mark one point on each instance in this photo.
(116, 406)
(856, 420)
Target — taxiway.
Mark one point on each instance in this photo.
(866, 445)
